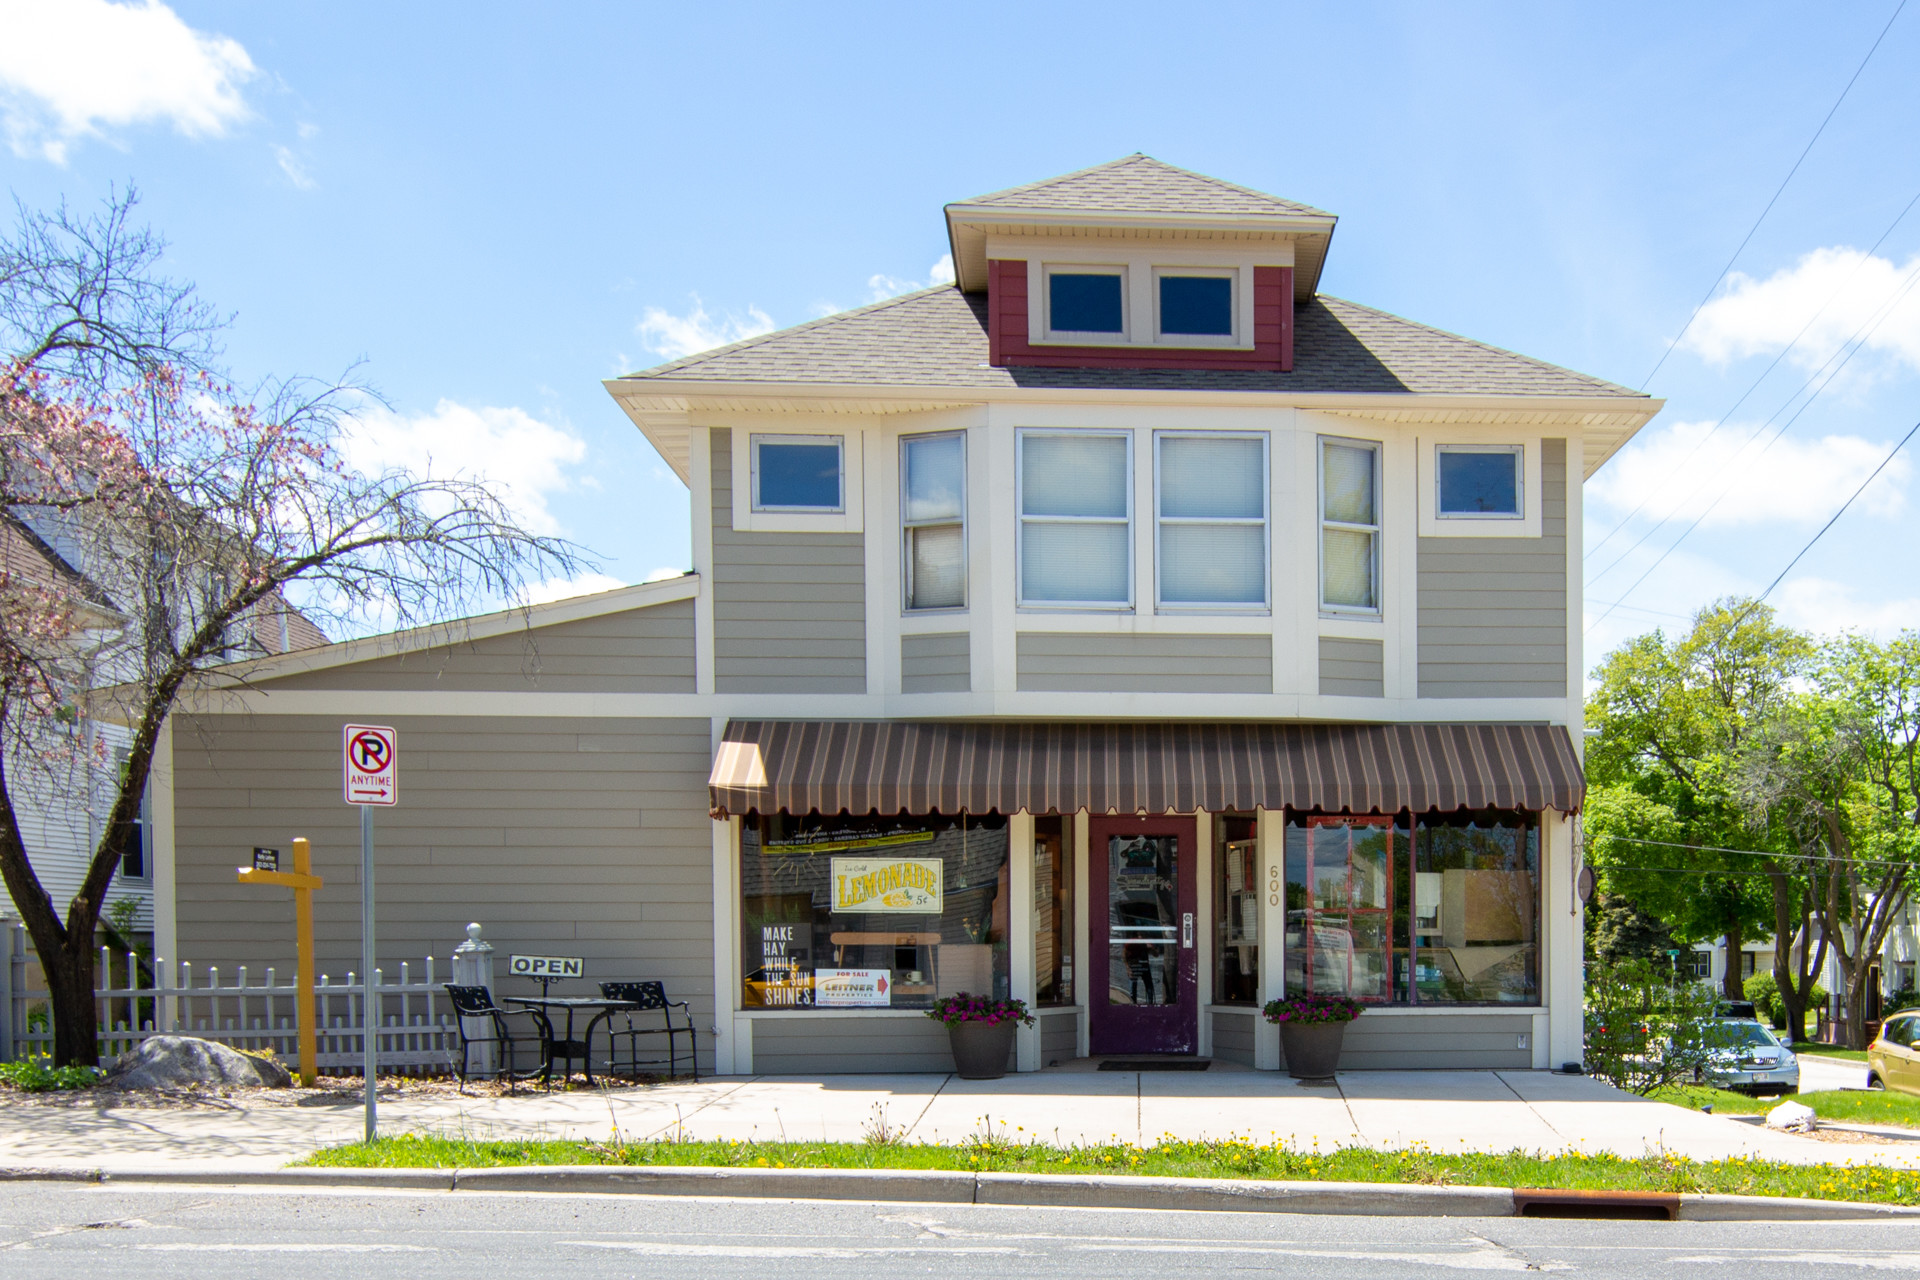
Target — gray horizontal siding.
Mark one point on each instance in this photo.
(821, 1045)
(1059, 1036)
(1233, 1037)
(1459, 1041)
(1353, 668)
(789, 609)
(938, 663)
(647, 650)
(585, 837)
(1493, 611)
(1142, 662)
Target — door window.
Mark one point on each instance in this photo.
(1143, 920)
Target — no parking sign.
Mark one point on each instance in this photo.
(372, 764)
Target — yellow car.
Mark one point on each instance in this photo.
(1893, 1059)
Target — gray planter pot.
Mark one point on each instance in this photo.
(1312, 1049)
(980, 1051)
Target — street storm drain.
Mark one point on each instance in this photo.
(1557, 1202)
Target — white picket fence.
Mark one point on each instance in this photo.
(417, 1034)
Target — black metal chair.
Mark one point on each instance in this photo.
(477, 1002)
(649, 997)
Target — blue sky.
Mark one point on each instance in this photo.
(497, 206)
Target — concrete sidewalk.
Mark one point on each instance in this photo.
(1446, 1111)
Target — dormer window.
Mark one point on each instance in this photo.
(1194, 303)
(799, 473)
(1085, 302)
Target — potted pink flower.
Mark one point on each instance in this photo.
(980, 1030)
(1311, 1030)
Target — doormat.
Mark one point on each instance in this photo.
(1156, 1064)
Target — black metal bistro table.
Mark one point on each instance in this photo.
(565, 1047)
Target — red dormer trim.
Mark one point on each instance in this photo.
(1007, 336)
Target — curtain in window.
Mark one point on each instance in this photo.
(1074, 475)
(932, 502)
(1347, 472)
(1213, 531)
(1074, 528)
(939, 567)
(1347, 554)
(1074, 562)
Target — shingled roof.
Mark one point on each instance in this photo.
(1140, 184)
(938, 338)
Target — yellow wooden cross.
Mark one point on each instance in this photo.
(303, 882)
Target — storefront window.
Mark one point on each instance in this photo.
(1477, 909)
(1236, 910)
(1052, 911)
(1445, 913)
(850, 913)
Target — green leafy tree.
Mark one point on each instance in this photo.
(1663, 824)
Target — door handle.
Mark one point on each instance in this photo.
(1186, 930)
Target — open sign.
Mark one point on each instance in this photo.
(547, 966)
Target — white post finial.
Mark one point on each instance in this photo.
(473, 932)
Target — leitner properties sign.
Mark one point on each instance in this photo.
(910, 885)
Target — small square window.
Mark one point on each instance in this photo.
(798, 473)
(1196, 306)
(1479, 482)
(1090, 301)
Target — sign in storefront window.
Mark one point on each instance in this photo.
(1446, 911)
(872, 913)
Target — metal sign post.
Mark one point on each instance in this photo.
(372, 763)
(266, 870)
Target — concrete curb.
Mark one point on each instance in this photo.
(1032, 1190)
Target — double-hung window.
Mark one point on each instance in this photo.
(933, 500)
(1076, 510)
(799, 473)
(1212, 496)
(1349, 526)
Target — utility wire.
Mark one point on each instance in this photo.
(1751, 388)
(1699, 306)
(1591, 838)
(1857, 342)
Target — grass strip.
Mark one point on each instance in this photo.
(1842, 1106)
(1230, 1158)
(1819, 1050)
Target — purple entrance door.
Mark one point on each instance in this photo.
(1144, 997)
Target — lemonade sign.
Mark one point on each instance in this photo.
(887, 884)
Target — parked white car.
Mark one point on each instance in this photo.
(1749, 1058)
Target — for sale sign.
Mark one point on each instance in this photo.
(852, 988)
(372, 764)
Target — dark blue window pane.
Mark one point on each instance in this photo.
(1085, 304)
(799, 475)
(1479, 483)
(1196, 304)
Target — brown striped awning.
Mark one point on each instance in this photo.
(911, 766)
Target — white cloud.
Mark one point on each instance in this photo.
(664, 575)
(1828, 607)
(525, 460)
(880, 287)
(1839, 290)
(675, 336)
(585, 584)
(1679, 472)
(291, 166)
(70, 70)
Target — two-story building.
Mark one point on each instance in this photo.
(1128, 626)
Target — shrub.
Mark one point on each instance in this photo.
(1764, 992)
(38, 1075)
(1643, 1031)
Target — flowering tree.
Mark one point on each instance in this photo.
(189, 512)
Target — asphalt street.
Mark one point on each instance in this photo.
(65, 1230)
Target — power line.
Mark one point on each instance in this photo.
(1776, 196)
(1755, 853)
(1851, 348)
(1752, 387)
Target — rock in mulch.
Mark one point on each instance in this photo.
(183, 1062)
(1794, 1117)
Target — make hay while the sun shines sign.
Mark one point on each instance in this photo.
(907, 885)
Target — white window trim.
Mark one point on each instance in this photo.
(908, 526)
(1079, 337)
(839, 443)
(1213, 341)
(1160, 522)
(1377, 528)
(1532, 492)
(782, 520)
(1021, 518)
(1140, 306)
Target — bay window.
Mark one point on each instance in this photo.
(1076, 517)
(1212, 496)
(1349, 526)
(933, 494)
